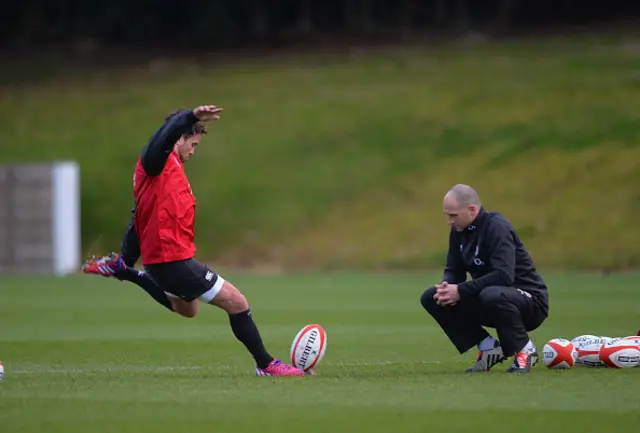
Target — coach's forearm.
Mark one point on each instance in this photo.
(453, 278)
(473, 287)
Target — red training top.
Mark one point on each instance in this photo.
(165, 205)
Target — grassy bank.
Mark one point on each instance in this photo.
(342, 161)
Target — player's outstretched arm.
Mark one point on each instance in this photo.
(161, 143)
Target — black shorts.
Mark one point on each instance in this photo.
(186, 279)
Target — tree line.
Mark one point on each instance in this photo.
(231, 23)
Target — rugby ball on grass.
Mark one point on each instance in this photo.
(588, 350)
(559, 354)
(621, 353)
(308, 347)
(634, 339)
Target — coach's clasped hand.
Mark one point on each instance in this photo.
(206, 113)
(446, 294)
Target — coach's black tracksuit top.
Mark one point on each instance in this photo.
(492, 253)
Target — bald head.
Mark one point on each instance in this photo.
(462, 205)
(464, 195)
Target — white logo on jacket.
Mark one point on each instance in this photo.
(477, 261)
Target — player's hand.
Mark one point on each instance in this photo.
(206, 113)
(447, 294)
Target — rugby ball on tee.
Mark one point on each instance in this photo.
(559, 354)
(1, 371)
(309, 347)
(621, 353)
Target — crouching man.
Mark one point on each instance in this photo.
(505, 293)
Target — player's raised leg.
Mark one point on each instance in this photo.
(114, 266)
(122, 267)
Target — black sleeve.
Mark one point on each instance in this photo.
(454, 272)
(160, 145)
(502, 257)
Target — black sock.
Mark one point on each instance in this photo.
(245, 330)
(148, 285)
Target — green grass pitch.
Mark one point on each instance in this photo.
(87, 354)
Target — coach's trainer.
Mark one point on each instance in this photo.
(506, 292)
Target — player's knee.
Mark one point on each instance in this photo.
(230, 299)
(242, 304)
(237, 302)
(427, 301)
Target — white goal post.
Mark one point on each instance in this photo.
(40, 218)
